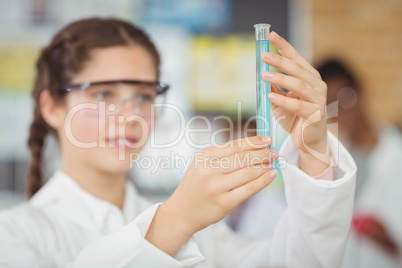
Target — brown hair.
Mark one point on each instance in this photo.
(64, 57)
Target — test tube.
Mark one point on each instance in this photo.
(263, 88)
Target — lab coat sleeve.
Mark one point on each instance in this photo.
(128, 248)
(313, 230)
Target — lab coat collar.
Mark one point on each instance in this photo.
(66, 198)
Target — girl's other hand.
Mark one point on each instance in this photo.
(219, 179)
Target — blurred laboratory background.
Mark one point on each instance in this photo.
(208, 58)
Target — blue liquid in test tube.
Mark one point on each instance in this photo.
(263, 88)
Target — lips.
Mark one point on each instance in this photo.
(121, 141)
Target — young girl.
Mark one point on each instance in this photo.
(95, 85)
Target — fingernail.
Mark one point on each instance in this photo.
(275, 34)
(268, 74)
(274, 154)
(267, 55)
(266, 139)
(273, 174)
(272, 97)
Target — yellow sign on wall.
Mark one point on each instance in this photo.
(223, 73)
(17, 67)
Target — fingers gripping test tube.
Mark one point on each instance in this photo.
(263, 87)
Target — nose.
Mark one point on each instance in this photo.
(130, 106)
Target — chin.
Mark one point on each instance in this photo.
(120, 163)
(114, 166)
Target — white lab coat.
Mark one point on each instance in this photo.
(64, 226)
(380, 195)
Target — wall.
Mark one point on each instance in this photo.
(368, 34)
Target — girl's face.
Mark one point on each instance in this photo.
(105, 135)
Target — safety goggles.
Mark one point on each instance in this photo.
(115, 94)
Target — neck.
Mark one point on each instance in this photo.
(106, 186)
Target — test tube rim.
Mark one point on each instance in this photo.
(262, 31)
(262, 25)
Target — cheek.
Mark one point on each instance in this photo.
(84, 126)
(145, 128)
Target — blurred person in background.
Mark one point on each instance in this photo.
(376, 236)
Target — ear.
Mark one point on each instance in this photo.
(53, 112)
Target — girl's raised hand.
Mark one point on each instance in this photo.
(301, 111)
(219, 179)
